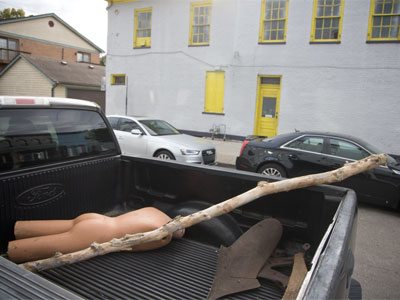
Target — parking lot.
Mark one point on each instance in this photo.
(377, 253)
(377, 263)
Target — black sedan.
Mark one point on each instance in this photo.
(302, 153)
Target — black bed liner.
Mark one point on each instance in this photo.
(182, 270)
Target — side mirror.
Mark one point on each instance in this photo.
(136, 132)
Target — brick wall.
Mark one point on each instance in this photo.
(54, 51)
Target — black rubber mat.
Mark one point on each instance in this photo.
(182, 270)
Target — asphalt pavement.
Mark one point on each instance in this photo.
(227, 151)
(377, 263)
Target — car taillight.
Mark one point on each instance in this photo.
(244, 145)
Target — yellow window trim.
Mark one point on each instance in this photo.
(141, 42)
(314, 20)
(214, 92)
(114, 76)
(193, 5)
(371, 21)
(263, 19)
(120, 1)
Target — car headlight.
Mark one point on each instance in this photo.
(190, 152)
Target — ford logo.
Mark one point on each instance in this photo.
(41, 194)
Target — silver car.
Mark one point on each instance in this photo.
(153, 137)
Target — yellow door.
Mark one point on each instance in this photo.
(267, 112)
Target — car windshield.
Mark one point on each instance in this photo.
(159, 127)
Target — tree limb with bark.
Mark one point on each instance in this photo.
(262, 189)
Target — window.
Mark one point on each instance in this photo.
(308, 143)
(214, 98)
(83, 57)
(273, 21)
(327, 20)
(200, 19)
(118, 79)
(30, 137)
(346, 149)
(6, 48)
(159, 127)
(384, 20)
(142, 28)
(113, 122)
(128, 125)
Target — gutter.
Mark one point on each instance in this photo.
(53, 88)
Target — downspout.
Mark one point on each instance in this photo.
(53, 88)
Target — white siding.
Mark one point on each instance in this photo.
(60, 91)
(351, 87)
(40, 29)
(24, 80)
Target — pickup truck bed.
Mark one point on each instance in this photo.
(185, 268)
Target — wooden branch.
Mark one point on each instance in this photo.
(179, 222)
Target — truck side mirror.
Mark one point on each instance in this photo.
(136, 132)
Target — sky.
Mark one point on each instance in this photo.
(88, 17)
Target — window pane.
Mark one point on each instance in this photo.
(386, 20)
(396, 9)
(312, 144)
(347, 150)
(320, 11)
(282, 13)
(268, 14)
(326, 34)
(387, 8)
(206, 34)
(394, 32)
(377, 21)
(267, 35)
(274, 14)
(268, 107)
(318, 34)
(327, 23)
(378, 8)
(281, 24)
(328, 11)
(280, 35)
(336, 11)
(271, 80)
(128, 125)
(12, 44)
(375, 32)
(318, 23)
(38, 136)
(384, 32)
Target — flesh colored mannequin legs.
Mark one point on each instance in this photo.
(42, 239)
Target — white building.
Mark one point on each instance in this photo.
(259, 66)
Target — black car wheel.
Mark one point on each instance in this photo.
(273, 170)
(164, 154)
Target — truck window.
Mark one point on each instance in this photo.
(33, 136)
